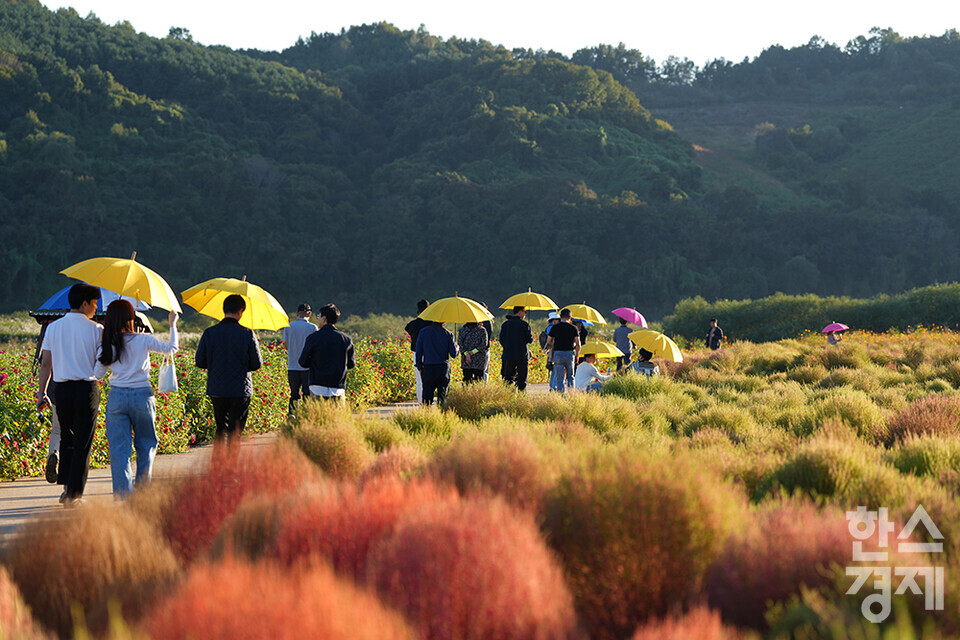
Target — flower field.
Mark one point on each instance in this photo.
(711, 502)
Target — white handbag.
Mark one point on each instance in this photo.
(167, 380)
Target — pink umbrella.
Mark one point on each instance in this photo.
(835, 326)
(630, 315)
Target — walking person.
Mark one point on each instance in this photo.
(229, 353)
(621, 337)
(294, 335)
(435, 346)
(515, 336)
(69, 356)
(488, 327)
(714, 335)
(131, 406)
(413, 330)
(564, 339)
(474, 346)
(328, 353)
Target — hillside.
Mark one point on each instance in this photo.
(376, 166)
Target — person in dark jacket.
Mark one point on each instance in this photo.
(229, 353)
(714, 337)
(328, 353)
(413, 330)
(515, 335)
(435, 346)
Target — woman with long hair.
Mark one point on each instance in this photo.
(131, 408)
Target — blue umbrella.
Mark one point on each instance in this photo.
(59, 302)
(585, 322)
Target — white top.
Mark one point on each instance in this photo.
(586, 373)
(132, 371)
(73, 341)
(294, 336)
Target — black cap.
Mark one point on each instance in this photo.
(304, 307)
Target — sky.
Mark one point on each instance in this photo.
(701, 30)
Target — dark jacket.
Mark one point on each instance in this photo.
(229, 353)
(434, 346)
(328, 353)
(515, 335)
(413, 329)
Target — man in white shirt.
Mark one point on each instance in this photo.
(586, 375)
(69, 355)
(294, 336)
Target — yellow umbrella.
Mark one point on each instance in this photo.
(456, 309)
(656, 343)
(584, 312)
(531, 301)
(601, 349)
(128, 278)
(262, 312)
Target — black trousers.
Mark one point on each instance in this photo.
(299, 386)
(230, 416)
(515, 372)
(77, 402)
(472, 375)
(436, 380)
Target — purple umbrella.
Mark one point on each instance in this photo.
(834, 326)
(631, 315)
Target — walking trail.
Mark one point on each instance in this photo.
(27, 498)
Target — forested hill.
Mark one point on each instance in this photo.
(374, 167)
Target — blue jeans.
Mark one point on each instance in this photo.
(131, 423)
(562, 366)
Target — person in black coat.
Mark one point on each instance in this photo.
(413, 330)
(327, 354)
(515, 335)
(229, 353)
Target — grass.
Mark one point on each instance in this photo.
(722, 483)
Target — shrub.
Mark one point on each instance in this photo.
(636, 534)
(340, 526)
(338, 449)
(635, 387)
(822, 467)
(88, 558)
(808, 373)
(472, 570)
(476, 401)
(250, 532)
(851, 407)
(926, 455)
(430, 426)
(399, 462)
(785, 546)
(202, 502)
(735, 422)
(846, 355)
(700, 623)
(235, 601)
(381, 435)
(934, 415)
(16, 623)
(510, 465)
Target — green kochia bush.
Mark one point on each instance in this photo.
(635, 534)
(823, 467)
(926, 455)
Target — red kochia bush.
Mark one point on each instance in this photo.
(510, 465)
(933, 415)
(15, 619)
(473, 570)
(781, 548)
(701, 624)
(239, 601)
(201, 503)
(87, 558)
(636, 534)
(341, 525)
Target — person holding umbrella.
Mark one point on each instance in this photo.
(621, 337)
(564, 339)
(131, 406)
(435, 346)
(474, 346)
(515, 335)
(69, 355)
(229, 353)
